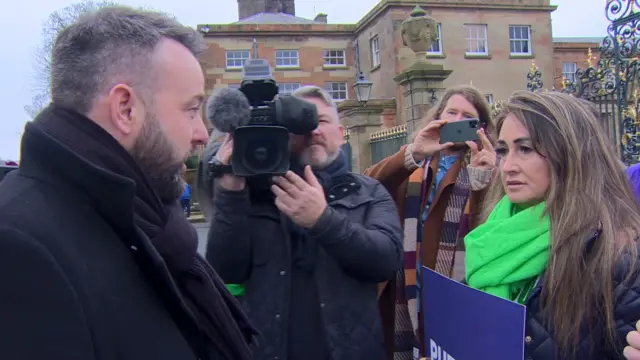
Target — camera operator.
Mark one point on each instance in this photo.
(311, 253)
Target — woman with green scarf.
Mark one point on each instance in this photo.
(560, 230)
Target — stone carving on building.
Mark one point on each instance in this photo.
(419, 31)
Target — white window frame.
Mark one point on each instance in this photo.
(339, 56)
(233, 86)
(288, 88)
(569, 71)
(331, 89)
(520, 40)
(489, 98)
(476, 37)
(287, 56)
(238, 58)
(374, 44)
(437, 42)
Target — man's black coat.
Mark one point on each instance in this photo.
(73, 286)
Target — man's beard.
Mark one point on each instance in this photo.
(308, 157)
(155, 156)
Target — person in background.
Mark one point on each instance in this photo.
(561, 230)
(97, 259)
(310, 249)
(185, 199)
(205, 193)
(633, 173)
(438, 189)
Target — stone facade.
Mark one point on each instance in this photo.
(490, 44)
(572, 53)
(309, 43)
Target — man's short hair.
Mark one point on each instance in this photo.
(110, 46)
(316, 92)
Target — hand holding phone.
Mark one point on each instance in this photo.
(460, 131)
(427, 141)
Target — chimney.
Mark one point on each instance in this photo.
(321, 18)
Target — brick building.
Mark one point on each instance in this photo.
(490, 44)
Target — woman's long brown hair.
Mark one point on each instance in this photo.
(589, 189)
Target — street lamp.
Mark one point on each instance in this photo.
(362, 87)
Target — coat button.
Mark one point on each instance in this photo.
(332, 196)
(277, 316)
(321, 305)
(282, 273)
(527, 339)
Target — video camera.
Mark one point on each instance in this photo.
(262, 147)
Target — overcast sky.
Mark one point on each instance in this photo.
(20, 25)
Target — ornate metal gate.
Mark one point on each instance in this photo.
(611, 82)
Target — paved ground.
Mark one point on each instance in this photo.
(203, 229)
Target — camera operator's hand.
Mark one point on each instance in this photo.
(427, 142)
(228, 181)
(302, 200)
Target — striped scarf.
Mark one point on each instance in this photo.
(450, 256)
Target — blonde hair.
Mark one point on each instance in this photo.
(588, 190)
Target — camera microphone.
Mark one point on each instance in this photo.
(228, 109)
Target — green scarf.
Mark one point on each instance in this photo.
(508, 253)
(236, 289)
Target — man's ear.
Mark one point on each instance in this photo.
(124, 108)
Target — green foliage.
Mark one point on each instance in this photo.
(192, 162)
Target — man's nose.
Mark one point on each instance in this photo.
(200, 134)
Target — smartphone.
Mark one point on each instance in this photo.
(460, 131)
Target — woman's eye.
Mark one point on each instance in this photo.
(525, 149)
(500, 151)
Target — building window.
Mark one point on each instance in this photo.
(375, 52)
(520, 40)
(287, 88)
(287, 58)
(569, 71)
(489, 98)
(477, 43)
(436, 46)
(337, 90)
(237, 58)
(334, 57)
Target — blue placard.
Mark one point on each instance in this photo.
(462, 323)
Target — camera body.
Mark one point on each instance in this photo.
(263, 146)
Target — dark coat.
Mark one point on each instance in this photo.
(541, 345)
(73, 284)
(360, 241)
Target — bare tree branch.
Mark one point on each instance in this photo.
(56, 22)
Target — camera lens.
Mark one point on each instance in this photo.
(262, 156)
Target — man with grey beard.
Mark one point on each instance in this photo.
(97, 260)
(310, 250)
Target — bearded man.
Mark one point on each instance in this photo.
(311, 250)
(97, 260)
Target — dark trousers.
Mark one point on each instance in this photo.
(186, 205)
